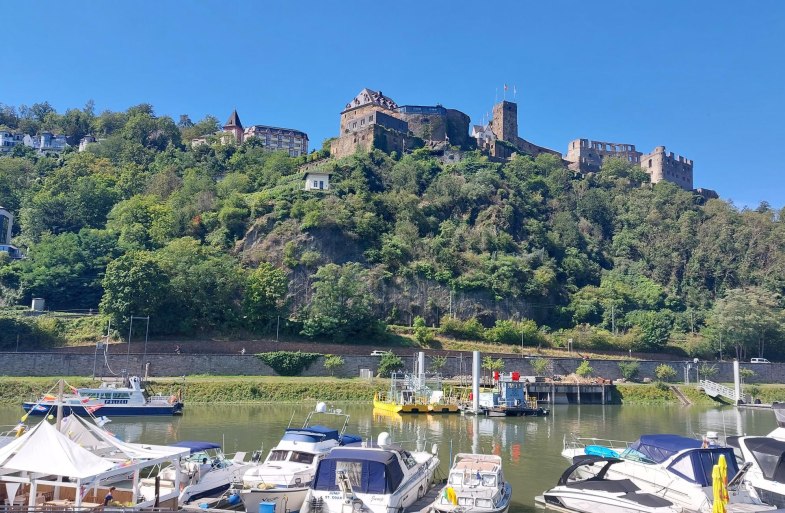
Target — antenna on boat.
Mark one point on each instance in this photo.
(290, 421)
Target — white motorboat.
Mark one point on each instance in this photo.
(286, 474)
(674, 467)
(378, 479)
(205, 472)
(600, 494)
(476, 484)
(766, 459)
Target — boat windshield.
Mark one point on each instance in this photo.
(633, 455)
(278, 455)
(301, 457)
(472, 479)
(489, 480)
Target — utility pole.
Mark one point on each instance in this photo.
(613, 319)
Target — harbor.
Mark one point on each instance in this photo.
(530, 447)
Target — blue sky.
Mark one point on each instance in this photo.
(705, 79)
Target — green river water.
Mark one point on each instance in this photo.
(530, 447)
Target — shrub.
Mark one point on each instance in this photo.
(389, 363)
(470, 329)
(752, 390)
(665, 372)
(584, 369)
(540, 366)
(708, 371)
(288, 363)
(421, 332)
(489, 364)
(746, 374)
(512, 332)
(332, 362)
(437, 362)
(629, 370)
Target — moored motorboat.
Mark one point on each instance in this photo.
(288, 471)
(206, 472)
(379, 479)
(475, 484)
(107, 400)
(600, 494)
(674, 467)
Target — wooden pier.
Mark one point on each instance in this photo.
(423, 505)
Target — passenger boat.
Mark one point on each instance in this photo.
(476, 484)
(379, 479)
(600, 494)
(286, 474)
(108, 400)
(205, 472)
(508, 398)
(673, 467)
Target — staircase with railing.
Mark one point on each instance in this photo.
(713, 389)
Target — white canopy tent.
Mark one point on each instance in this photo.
(45, 456)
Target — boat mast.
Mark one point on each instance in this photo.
(60, 386)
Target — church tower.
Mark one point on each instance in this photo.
(235, 127)
(505, 121)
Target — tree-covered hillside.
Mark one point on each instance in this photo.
(223, 238)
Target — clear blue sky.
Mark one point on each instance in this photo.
(706, 79)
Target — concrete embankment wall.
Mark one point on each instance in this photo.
(65, 364)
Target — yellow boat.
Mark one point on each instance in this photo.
(400, 404)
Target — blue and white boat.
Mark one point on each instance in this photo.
(674, 467)
(379, 479)
(108, 400)
(288, 471)
(205, 472)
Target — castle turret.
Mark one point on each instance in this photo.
(505, 121)
(235, 127)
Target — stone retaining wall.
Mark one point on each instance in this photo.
(62, 364)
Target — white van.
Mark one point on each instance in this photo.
(759, 360)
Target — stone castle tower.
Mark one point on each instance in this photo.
(235, 127)
(505, 121)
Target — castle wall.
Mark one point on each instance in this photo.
(667, 166)
(458, 128)
(348, 143)
(588, 156)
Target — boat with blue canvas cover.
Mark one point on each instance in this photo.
(107, 400)
(378, 479)
(288, 471)
(674, 467)
(205, 472)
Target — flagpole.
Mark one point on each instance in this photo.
(60, 403)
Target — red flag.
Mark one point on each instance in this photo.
(73, 389)
(86, 400)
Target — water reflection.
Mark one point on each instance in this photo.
(529, 446)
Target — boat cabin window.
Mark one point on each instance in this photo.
(456, 478)
(301, 457)
(278, 456)
(351, 469)
(121, 395)
(408, 459)
(488, 480)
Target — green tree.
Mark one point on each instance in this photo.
(438, 363)
(748, 318)
(664, 372)
(629, 370)
(389, 363)
(340, 306)
(135, 284)
(332, 362)
(492, 365)
(265, 295)
(585, 369)
(422, 334)
(540, 366)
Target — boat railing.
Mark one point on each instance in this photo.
(572, 441)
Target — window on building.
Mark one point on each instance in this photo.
(321, 184)
(649, 162)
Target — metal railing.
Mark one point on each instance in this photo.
(713, 389)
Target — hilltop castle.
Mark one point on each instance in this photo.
(373, 120)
